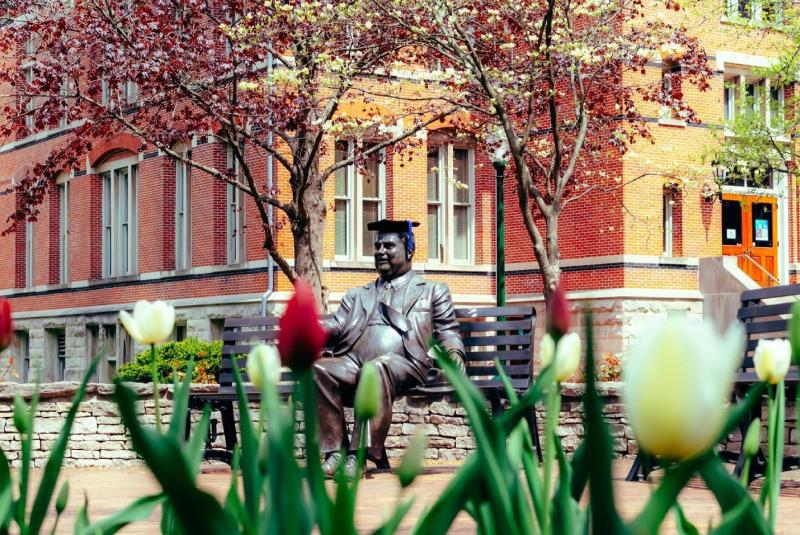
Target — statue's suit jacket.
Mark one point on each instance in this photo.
(427, 314)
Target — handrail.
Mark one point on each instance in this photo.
(762, 268)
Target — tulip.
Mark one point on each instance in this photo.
(558, 313)
(678, 377)
(151, 323)
(794, 332)
(301, 337)
(567, 354)
(411, 465)
(771, 359)
(6, 325)
(367, 401)
(263, 363)
(752, 439)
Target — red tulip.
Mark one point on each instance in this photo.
(6, 327)
(558, 313)
(301, 337)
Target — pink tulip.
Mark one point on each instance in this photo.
(301, 337)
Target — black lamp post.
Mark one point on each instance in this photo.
(497, 145)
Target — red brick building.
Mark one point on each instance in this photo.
(131, 225)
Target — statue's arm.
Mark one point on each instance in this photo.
(445, 326)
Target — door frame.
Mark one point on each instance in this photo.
(779, 192)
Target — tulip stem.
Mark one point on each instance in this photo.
(156, 397)
(551, 422)
(776, 410)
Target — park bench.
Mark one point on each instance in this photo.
(505, 333)
(764, 313)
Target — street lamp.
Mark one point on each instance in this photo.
(497, 146)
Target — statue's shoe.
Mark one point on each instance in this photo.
(351, 470)
(331, 463)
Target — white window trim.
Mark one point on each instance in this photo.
(30, 251)
(234, 220)
(63, 229)
(668, 205)
(355, 199)
(111, 256)
(447, 202)
(183, 228)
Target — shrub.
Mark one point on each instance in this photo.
(172, 358)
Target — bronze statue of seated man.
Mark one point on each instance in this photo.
(390, 322)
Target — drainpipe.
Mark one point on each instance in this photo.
(270, 180)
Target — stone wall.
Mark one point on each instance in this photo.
(99, 439)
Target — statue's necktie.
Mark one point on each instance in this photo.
(388, 292)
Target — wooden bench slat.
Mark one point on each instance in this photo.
(260, 321)
(237, 349)
(786, 290)
(760, 311)
(514, 354)
(511, 325)
(483, 312)
(773, 326)
(262, 335)
(497, 340)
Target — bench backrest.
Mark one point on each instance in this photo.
(765, 313)
(505, 333)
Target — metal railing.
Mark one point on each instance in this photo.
(769, 275)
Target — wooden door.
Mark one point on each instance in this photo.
(750, 232)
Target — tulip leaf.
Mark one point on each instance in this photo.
(490, 446)
(198, 511)
(734, 520)
(739, 411)
(729, 493)
(6, 493)
(197, 441)
(580, 471)
(794, 332)
(53, 466)
(251, 476)
(604, 515)
(137, 511)
(82, 518)
(180, 403)
(564, 506)
(439, 516)
(682, 524)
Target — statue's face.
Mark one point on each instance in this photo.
(390, 256)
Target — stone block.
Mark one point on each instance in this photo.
(117, 454)
(450, 430)
(442, 407)
(429, 429)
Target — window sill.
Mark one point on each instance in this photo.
(753, 24)
(668, 121)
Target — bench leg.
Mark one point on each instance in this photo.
(228, 426)
(633, 473)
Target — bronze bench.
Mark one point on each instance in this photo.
(505, 333)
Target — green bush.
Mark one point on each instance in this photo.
(172, 358)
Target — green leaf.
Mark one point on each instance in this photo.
(63, 496)
(137, 511)
(251, 476)
(604, 516)
(438, 517)
(739, 411)
(180, 404)
(6, 494)
(53, 466)
(729, 493)
(197, 441)
(580, 471)
(735, 520)
(197, 510)
(794, 332)
(82, 518)
(682, 524)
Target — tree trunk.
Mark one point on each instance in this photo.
(551, 270)
(308, 231)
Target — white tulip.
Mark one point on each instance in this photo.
(678, 377)
(567, 354)
(772, 359)
(151, 323)
(263, 362)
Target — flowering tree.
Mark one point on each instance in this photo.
(563, 81)
(270, 76)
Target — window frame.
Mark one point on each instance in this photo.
(63, 229)
(112, 225)
(183, 221)
(30, 254)
(235, 221)
(355, 199)
(737, 86)
(446, 182)
(668, 203)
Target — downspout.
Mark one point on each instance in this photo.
(270, 180)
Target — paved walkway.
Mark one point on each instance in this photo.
(108, 490)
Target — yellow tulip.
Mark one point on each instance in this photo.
(678, 377)
(567, 354)
(771, 359)
(263, 362)
(151, 323)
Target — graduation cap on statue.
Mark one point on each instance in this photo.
(405, 226)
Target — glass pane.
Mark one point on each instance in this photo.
(341, 228)
(370, 214)
(762, 224)
(461, 175)
(731, 223)
(433, 232)
(461, 233)
(433, 175)
(341, 174)
(369, 179)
